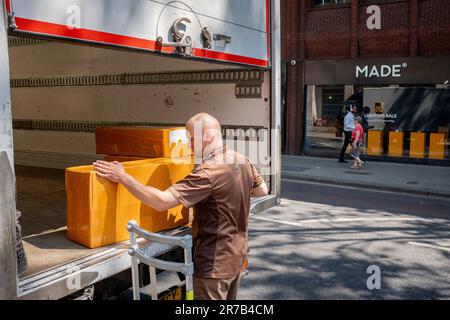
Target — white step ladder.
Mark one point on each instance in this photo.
(147, 257)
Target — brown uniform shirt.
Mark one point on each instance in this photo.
(220, 195)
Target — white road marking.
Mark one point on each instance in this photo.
(277, 221)
(372, 219)
(338, 220)
(427, 245)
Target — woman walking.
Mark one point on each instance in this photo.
(357, 139)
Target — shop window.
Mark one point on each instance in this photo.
(402, 123)
(332, 98)
(413, 122)
(324, 108)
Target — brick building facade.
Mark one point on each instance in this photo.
(336, 30)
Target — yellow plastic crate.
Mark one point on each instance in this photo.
(98, 210)
(417, 145)
(437, 146)
(395, 144)
(110, 158)
(146, 142)
(375, 143)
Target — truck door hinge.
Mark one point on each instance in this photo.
(181, 41)
(12, 21)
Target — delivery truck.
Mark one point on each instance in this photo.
(70, 67)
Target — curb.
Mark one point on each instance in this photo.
(295, 176)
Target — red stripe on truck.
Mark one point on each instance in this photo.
(59, 30)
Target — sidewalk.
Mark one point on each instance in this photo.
(416, 179)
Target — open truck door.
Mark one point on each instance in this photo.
(8, 267)
(227, 62)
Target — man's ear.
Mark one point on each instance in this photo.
(207, 137)
(215, 134)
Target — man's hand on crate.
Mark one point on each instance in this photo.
(112, 171)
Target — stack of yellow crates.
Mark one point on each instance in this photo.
(98, 210)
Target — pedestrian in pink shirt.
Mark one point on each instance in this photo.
(357, 139)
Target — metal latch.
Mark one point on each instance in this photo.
(87, 294)
(206, 37)
(181, 41)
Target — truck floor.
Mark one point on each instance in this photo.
(42, 200)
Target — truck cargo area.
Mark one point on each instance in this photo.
(109, 65)
(42, 199)
(63, 92)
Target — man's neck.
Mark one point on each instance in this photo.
(213, 149)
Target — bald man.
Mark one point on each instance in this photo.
(219, 189)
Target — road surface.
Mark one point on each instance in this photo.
(321, 240)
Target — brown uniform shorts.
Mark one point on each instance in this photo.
(216, 289)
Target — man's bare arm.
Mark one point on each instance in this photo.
(260, 191)
(157, 199)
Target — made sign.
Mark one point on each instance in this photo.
(233, 31)
(380, 71)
